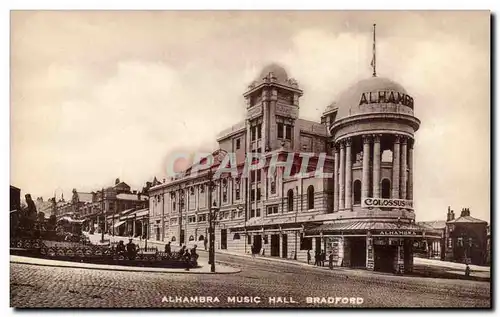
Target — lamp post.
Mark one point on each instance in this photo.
(103, 216)
(211, 219)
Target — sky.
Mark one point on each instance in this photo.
(102, 95)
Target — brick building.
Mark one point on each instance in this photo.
(466, 239)
(363, 213)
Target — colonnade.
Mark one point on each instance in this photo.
(402, 169)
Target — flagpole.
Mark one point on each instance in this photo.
(374, 58)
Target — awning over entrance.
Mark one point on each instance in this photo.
(386, 229)
(119, 223)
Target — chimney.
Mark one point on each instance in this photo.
(139, 196)
(448, 214)
(452, 215)
(463, 212)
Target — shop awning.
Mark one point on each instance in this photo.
(388, 229)
(119, 223)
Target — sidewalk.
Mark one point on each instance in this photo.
(205, 269)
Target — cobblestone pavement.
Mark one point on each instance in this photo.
(37, 286)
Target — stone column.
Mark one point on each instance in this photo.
(365, 182)
(404, 175)
(336, 179)
(342, 176)
(395, 169)
(400, 265)
(376, 166)
(348, 174)
(410, 170)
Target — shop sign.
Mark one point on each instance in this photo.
(385, 96)
(398, 233)
(381, 202)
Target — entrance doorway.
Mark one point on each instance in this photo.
(358, 252)
(157, 233)
(275, 245)
(223, 239)
(284, 246)
(257, 242)
(384, 257)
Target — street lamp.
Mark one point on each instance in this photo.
(211, 217)
(103, 216)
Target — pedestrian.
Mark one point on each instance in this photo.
(205, 242)
(308, 256)
(330, 260)
(467, 271)
(316, 258)
(323, 258)
(182, 251)
(253, 250)
(194, 255)
(120, 248)
(131, 249)
(168, 248)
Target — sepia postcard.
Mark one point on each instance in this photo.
(250, 159)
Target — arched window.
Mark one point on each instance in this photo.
(236, 236)
(191, 238)
(201, 238)
(357, 192)
(310, 197)
(386, 188)
(290, 199)
(173, 238)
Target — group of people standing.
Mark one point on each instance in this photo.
(130, 250)
(320, 258)
(183, 252)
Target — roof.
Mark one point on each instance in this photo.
(122, 213)
(466, 219)
(132, 197)
(348, 101)
(121, 183)
(436, 224)
(71, 220)
(363, 226)
(278, 71)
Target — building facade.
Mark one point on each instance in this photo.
(362, 212)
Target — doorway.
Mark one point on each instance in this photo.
(223, 239)
(384, 257)
(157, 233)
(275, 245)
(257, 242)
(358, 252)
(284, 246)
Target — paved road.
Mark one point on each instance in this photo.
(35, 286)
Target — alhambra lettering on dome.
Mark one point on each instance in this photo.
(386, 96)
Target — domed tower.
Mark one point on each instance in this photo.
(272, 108)
(373, 135)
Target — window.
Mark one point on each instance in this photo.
(357, 192)
(237, 189)
(310, 197)
(257, 214)
(259, 174)
(202, 218)
(236, 236)
(240, 214)
(266, 239)
(272, 210)
(191, 238)
(288, 132)
(305, 243)
(280, 130)
(249, 239)
(258, 194)
(259, 131)
(202, 188)
(252, 129)
(450, 243)
(238, 145)
(386, 188)
(192, 219)
(224, 190)
(460, 242)
(290, 199)
(191, 191)
(252, 213)
(173, 239)
(201, 238)
(252, 195)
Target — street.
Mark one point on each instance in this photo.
(42, 286)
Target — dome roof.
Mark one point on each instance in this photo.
(278, 71)
(374, 94)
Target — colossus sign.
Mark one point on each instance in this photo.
(386, 97)
(381, 202)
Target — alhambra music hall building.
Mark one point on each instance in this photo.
(363, 214)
